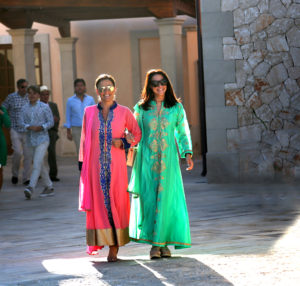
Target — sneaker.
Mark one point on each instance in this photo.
(47, 192)
(14, 180)
(28, 192)
(54, 179)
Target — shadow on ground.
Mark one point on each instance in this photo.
(169, 271)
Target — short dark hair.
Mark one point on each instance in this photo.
(34, 88)
(103, 77)
(77, 80)
(21, 81)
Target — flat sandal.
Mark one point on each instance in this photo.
(165, 252)
(155, 252)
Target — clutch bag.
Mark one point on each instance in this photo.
(131, 156)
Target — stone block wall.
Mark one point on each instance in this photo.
(265, 48)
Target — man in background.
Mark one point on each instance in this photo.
(75, 110)
(14, 104)
(53, 133)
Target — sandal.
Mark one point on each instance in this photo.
(165, 252)
(112, 255)
(155, 252)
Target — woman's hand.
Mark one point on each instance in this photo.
(129, 137)
(189, 161)
(118, 143)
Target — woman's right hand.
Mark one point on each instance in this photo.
(118, 143)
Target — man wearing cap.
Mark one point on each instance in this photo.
(53, 133)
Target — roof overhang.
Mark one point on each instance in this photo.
(17, 14)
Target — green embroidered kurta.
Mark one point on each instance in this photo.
(158, 208)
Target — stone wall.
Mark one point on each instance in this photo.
(266, 51)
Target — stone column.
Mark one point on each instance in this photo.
(68, 75)
(191, 101)
(67, 66)
(170, 33)
(23, 54)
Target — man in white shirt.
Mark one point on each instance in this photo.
(14, 104)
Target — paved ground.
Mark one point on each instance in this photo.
(241, 234)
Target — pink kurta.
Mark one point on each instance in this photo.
(103, 182)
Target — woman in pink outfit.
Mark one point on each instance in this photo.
(103, 181)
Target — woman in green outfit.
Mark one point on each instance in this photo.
(158, 208)
(4, 122)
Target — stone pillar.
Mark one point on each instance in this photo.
(23, 54)
(191, 101)
(67, 66)
(68, 75)
(170, 33)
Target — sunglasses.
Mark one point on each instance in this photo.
(23, 86)
(156, 83)
(108, 88)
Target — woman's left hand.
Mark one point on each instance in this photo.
(189, 161)
(118, 143)
(129, 137)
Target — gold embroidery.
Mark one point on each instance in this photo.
(107, 237)
(164, 123)
(160, 189)
(161, 243)
(154, 146)
(163, 144)
(159, 167)
(153, 124)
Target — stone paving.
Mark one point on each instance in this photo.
(241, 235)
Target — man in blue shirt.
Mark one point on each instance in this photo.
(75, 110)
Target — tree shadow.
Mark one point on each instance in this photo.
(167, 271)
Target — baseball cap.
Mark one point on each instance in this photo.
(44, 87)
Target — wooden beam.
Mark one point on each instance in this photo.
(44, 17)
(78, 3)
(16, 19)
(75, 14)
(57, 13)
(65, 30)
(163, 9)
(186, 7)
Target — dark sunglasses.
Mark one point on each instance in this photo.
(156, 83)
(23, 86)
(108, 88)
